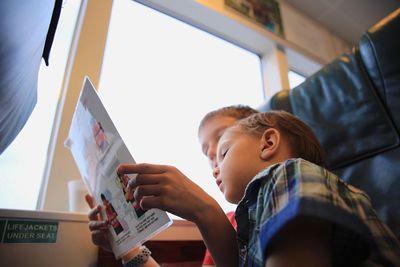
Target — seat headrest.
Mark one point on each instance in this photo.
(380, 54)
(341, 106)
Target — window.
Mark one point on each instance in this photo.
(295, 79)
(160, 76)
(23, 162)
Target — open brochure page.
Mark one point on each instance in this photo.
(98, 149)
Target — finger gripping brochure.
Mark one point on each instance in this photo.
(98, 149)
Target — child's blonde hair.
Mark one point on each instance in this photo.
(304, 144)
(237, 112)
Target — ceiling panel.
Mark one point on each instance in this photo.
(343, 26)
(346, 18)
(311, 7)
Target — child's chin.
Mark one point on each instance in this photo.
(230, 198)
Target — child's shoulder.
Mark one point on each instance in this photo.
(301, 163)
(298, 167)
(293, 168)
(306, 179)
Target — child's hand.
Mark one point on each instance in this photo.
(166, 188)
(98, 228)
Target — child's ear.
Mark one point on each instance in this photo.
(270, 141)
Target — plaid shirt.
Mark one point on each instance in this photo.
(283, 191)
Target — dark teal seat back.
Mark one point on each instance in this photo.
(353, 106)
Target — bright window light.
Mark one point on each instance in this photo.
(160, 76)
(295, 79)
(22, 163)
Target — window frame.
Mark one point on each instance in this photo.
(86, 58)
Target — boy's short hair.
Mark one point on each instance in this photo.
(304, 143)
(237, 112)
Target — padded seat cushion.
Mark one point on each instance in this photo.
(341, 106)
(380, 53)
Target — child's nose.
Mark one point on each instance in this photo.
(212, 160)
(211, 153)
(213, 163)
(216, 172)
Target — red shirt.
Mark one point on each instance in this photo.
(208, 260)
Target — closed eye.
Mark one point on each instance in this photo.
(205, 150)
(224, 153)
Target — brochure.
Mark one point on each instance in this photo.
(98, 149)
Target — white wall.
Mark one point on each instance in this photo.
(73, 246)
(303, 34)
(310, 35)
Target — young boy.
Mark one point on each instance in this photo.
(294, 212)
(211, 127)
(210, 130)
(291, 212)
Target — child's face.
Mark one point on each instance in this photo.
(210, 133)
(239, 160)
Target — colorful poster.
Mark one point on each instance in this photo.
(264, 12)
